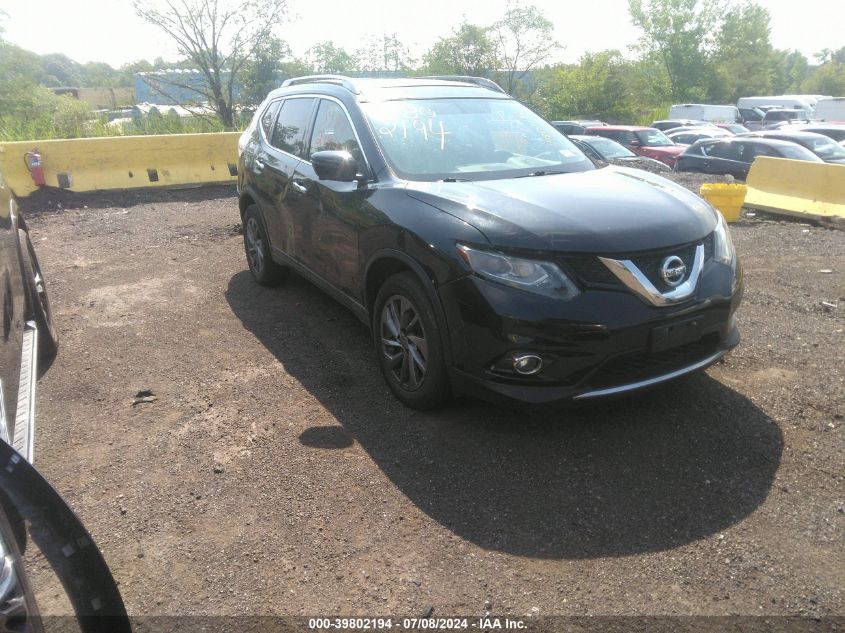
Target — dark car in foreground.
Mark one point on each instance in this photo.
(597, 148)
(29, 334)
(734, 156)
(645, 141)
(822, 146)
(483, 250)
(36, 525)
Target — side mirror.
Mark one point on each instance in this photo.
(335, 165)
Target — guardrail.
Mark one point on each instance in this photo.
(796, 187)
(124, 162)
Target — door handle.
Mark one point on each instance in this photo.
(298, 186)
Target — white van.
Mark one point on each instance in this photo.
(830, 109)
(794, 102)
(705, 112)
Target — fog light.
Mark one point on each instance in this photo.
(527, 364)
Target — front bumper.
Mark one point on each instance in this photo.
(601, 343)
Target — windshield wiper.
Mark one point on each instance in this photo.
(451, 179)
(540, 173)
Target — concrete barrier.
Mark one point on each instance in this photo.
(796, 187)
(124, 162)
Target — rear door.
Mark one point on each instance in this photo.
(330, 212)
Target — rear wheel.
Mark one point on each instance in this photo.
(39, 301)
(257, 248)
(408, 343)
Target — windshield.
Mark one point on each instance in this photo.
(469, 139)
(827, 149)
(609, 149)
(798, 152)
(836, 135)
(653, 138)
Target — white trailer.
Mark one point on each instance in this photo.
(830, 109)
(705, 112)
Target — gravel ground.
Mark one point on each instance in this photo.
(270, 471)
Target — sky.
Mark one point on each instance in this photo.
(109, 31)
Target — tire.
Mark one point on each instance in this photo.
(408, 344)
(257, 250)
(38, 299)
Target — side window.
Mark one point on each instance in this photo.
(269, 116)
(289, 133)
(626, 138)
(333, 131)
(754, 151)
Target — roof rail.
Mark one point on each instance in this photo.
(478, 81)
(340, 80)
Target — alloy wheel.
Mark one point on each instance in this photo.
(404, 342)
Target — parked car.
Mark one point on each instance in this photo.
(672, 124)
(822, 146)
(576, 127)
(29, 333)
(598, 148)
(28, 504)
(830, 130)
(752, 118)
(735, 155)
(777, 117)
(688, 136)
(735, 128)
(485, 252)
(791, 102)
(645, 141)
(705, 112)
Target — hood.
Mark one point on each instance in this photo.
(610, 210)
(641, 162)
(670, 150)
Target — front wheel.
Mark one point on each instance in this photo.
(408, 343)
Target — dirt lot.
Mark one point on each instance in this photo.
(272, 472)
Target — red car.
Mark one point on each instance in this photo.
(645, 141)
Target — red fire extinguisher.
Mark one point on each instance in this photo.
(36, 168)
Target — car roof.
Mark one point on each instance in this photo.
(386, 89)
(805, 134)
(623, 128)
(773, 142)
(590, 138)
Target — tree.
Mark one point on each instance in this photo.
(263, 71)
(469, 50)
(829, 78)
(602, 85)
(218, 37)
(789, 71)
(744, 53)
(385, 53)
(327, 57)
(524, 41)
(679, 34)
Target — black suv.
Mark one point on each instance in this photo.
(483, 249)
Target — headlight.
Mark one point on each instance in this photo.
(723, 247)
(544, 278)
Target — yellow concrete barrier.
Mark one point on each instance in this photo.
(728, 198)
(796, 187)
(124, 162)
